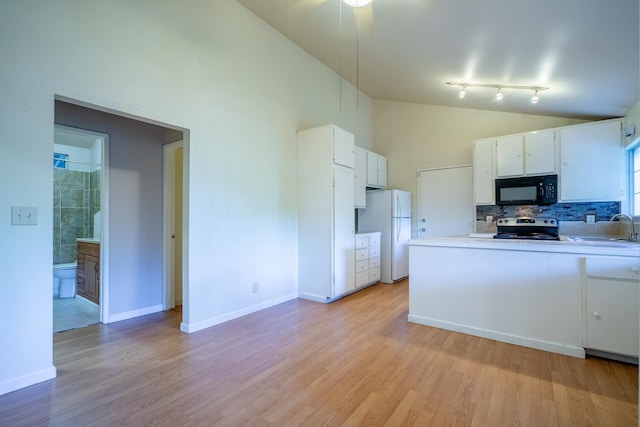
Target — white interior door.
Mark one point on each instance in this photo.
(445, 202)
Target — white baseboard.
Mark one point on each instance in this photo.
(134, 313)
(314, 297)
(203, 324)
(27, 380)
(553, 347)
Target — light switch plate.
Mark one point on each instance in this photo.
(24, 215)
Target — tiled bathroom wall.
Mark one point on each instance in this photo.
(76, 197)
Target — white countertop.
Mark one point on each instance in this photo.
(564, 245)
(87, 240)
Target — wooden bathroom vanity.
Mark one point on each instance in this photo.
(88, 274)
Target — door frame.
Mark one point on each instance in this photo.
(104, 208)
(168, 225)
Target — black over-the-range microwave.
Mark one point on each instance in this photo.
(527, 190)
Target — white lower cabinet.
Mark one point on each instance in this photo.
(367, 259)
(612, 306)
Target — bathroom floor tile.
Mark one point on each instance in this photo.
(72, 313)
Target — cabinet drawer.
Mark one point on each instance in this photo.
(374, 275)
(362, 266)
(362, 242)
(374, 262)
(374, 252)
(362, 279)
(362, 254)
(613, 267)
(92, 249)
(374, 240)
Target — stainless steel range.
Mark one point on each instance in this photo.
(542, 228)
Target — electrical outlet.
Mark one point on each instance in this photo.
(489, 219)
(24, 215)
(256, 287)
(591, 219)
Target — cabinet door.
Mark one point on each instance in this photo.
(343, 231)
(483, 179)
(509, 155)
(382, 171)
(612, 316)
(81, 287)
(540, 153)
(591, 162)
(360, 178)
(343, 147)
(92, 279)
(372, 169)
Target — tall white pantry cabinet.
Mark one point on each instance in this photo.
(326, 219)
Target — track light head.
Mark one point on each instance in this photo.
(463, 92)
(534, 98)
(499, 94)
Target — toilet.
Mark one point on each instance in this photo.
(64, 279)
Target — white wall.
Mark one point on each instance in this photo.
(240, 88)
(418, 136)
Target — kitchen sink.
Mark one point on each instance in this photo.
(601, 240)
(598, 239)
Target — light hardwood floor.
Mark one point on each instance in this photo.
(354, 362)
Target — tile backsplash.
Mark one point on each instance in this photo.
(562, 211)
(571, 217)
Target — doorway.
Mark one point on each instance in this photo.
(133, 268)
(173, 196)
(79, 165)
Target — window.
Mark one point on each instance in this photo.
(635, 180)
(60, 160)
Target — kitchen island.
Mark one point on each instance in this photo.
(530, 293)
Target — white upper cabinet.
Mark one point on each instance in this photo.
(376, 170)
(526, 154)
(592, 162)
(509, 155)
(540, 152)
(483, 172)
(343, 147)
(360, 178)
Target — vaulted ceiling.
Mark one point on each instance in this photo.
(585, 51)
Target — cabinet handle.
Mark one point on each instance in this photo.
(596, 314)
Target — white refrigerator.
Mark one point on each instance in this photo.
(389, 212)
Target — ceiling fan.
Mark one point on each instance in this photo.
(362, 10)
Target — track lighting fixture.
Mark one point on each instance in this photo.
(499, 87)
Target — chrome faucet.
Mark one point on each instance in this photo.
(632, 235)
